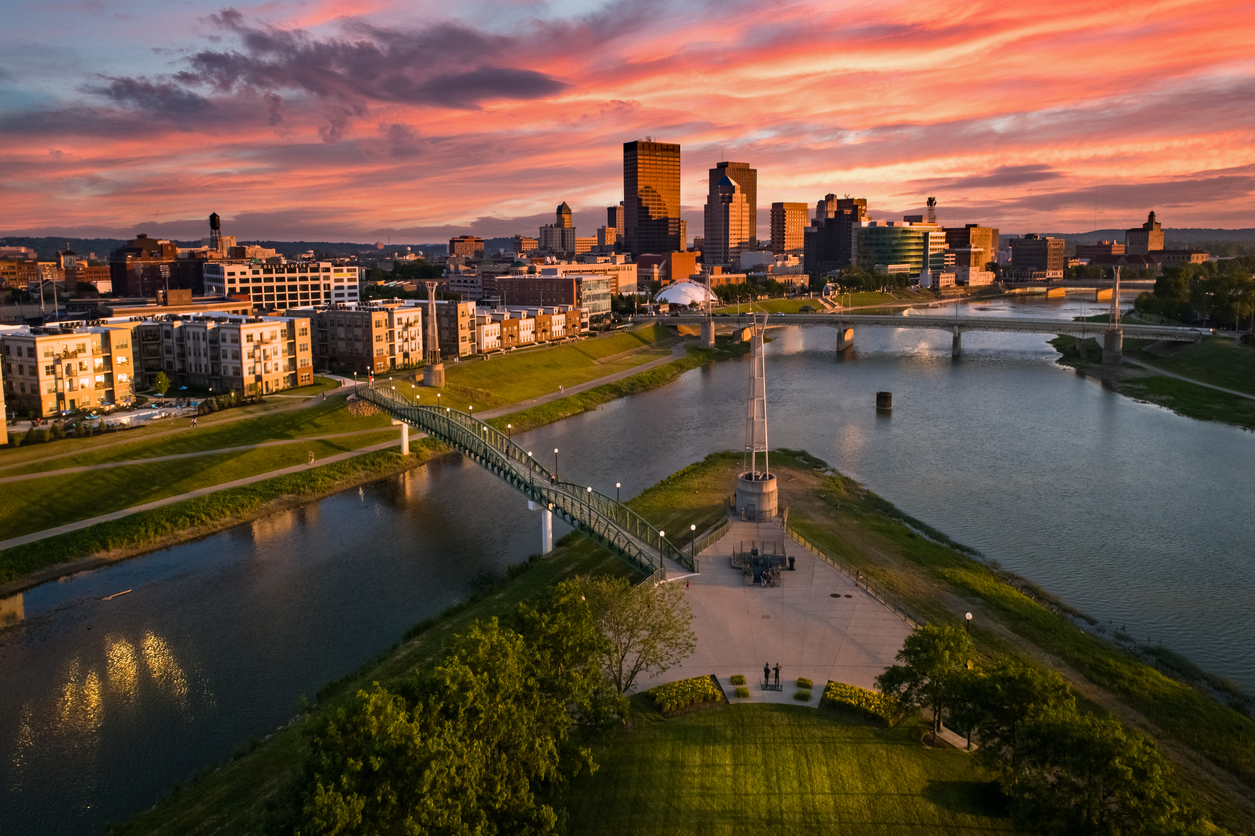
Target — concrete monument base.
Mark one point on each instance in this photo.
(433, 375)
(757, 496)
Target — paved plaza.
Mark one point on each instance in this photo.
(816, 624)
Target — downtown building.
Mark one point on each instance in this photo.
(1146, 239)
(728, 217)
(1034, 258)
(293, 284)
(591, 293)
(788, 228)
(828, 244)
(558, 239)
(369, 338)
(747, 179)
(651, 198)
(910, 248)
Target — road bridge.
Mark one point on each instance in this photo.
(845, 323)
(610, 523)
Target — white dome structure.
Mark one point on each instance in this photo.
(684, 294)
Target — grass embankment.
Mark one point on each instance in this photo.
(524, 374)
(1211, 744)
(773, 306)
(197, 517)
(548, 413)
(51, 501)
(728, 769)
(779, 768)
(1216, 361)
(324, 418)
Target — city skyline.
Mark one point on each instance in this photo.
(328, 122)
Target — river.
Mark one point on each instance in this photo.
(1133, 514)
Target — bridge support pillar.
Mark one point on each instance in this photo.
(956, 343)
(546, 526)
(845, 338)
(433, 375)
(1082, 346)
(708, 333)
(1112, 347)
(405, 439)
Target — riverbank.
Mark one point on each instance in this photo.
(1208, 744)
(1188, 374)
(23, 567)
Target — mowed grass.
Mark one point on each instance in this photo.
(324, 418)
(1215, 360)
(57, 500)
(1191, 400)
(521, 375)
(746, 769)
(772, 306)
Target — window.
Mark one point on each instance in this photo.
(21, 369)
(379, 338)
(248, 338)
(50, 370)
(30, 352)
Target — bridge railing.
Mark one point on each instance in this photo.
(611, 522)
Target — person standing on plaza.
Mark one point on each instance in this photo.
(777, 674)
(766, 673)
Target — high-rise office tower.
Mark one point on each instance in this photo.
(564, 216)
(651, 197)
(727, 222)
(829, 240)
(558, 238)
(747, 179)
(788, 226)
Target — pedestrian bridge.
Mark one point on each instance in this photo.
(610, 523)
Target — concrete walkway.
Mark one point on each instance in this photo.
(174, 456)
(148, 506)
(1158, 370)
(816, 624)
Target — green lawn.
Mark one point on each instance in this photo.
(521, 375)
(321, 419)
(748, 769)
(1215, 360)
(772, 306)
(57, 500)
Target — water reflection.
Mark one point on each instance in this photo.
(12, 610)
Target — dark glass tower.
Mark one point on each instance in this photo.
(651, 198)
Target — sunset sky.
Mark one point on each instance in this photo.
(360, 121)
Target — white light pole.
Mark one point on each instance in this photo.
(616, 491)
(968, 625)
(693, 544)
(555, 464)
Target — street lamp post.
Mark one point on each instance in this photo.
(616, 491)
(968, 624)
(509, 429)
(693, 544)
(555, 464)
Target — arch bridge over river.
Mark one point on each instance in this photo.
(607, 521)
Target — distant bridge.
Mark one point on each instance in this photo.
(845, 323)
(609, 522)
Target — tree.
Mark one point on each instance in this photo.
(932, 658)
(998, 703)
(1087, 775)
(161, 384)
(647, 629)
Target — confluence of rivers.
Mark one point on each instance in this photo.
(1133, 514)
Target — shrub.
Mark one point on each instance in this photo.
(869, 704)
(742, 693)
(56, 431)
(677, 695)
(15, 439)
(802, 695)
(738, 679)
(803, 682)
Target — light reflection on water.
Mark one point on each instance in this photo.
(1123, 509)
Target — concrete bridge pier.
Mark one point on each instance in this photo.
(546, 526)
(405, 439)
(845, 338)
(1112, 347)
(1082, 346)
(956, 343)
(708, 333)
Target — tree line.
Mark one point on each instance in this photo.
(1062, 770)
(477, 742)
(1220, 291)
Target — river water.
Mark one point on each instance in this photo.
(1126, 511)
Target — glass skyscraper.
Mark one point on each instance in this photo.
(651, 198)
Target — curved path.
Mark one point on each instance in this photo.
(1157, 370)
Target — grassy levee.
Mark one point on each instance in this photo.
(747, 769)
(940, 789)
(197, 517)
(1215, 360)
(521, 375)
(321, 419)
(1212, 745)
(56, 500)
(1182, 397)
(548, 413)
